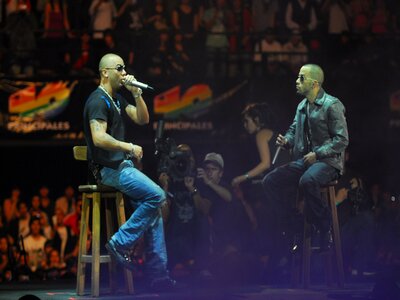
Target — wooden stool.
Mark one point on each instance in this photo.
(97, 194)
(327, 194)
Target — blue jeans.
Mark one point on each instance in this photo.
(309, 179)
(146, 197)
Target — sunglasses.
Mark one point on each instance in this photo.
(303, 78)
(119, 68)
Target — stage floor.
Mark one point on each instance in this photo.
(66, 290)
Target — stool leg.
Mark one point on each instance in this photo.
(80, 279)
(111, 265)
(121, 220)
(336, 236)
(96, 245)
(306, 254)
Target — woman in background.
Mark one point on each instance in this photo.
(257, 120)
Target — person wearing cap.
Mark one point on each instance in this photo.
(221, 209)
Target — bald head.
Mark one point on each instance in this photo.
(315, 72)
(109, 60)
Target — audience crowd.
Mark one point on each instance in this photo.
(158, 38)
(210, 235)
(215, 232)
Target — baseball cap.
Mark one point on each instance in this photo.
(215, 158)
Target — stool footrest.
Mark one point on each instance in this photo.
(88, 259)
(93, 188)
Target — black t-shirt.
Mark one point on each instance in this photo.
(183, 210)
(99, 106)
(222, 212)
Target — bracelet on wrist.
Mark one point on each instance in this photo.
(246, 176)
(138, 94)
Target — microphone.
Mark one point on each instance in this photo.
(276, 155)
(137, 84)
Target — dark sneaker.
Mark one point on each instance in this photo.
(165, 284)
(325, 242)
(119, 256)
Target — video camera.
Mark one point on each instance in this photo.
(175, 162)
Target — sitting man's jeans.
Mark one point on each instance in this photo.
(309, 179)
(146, 197)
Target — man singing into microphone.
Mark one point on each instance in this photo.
(104, 134)
(318, 138)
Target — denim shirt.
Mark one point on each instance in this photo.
(328, 130)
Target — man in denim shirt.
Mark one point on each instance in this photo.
(105, 136)
(318, 138)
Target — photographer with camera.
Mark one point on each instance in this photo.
(186, 211)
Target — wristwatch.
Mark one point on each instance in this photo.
(194, 192)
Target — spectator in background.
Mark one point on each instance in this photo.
(215, 21)
(267, 53)
(179, 57)
(63, 240)
(159, 64)
(337, 13)
(10, 207)
(34, 245)
(23, 220)
(35, 211)
(380, 18)
(361, 14)
(103, 14)
(56, 22)
(47, 229)
(72, 220)
(81, 58)
(240, 25)
(20, 31)
(301, 15)
(297, 52)
(67, 201)
(6, 266)
(46, 204)
(78, 15)
(129, 32)
(158, 24)
(157, 19)
(185, 19)
(54, 267)
(56, 33)
(265, 14)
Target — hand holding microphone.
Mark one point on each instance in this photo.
(281, 142)
(130, 81)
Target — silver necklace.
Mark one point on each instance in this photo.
(117, 107)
